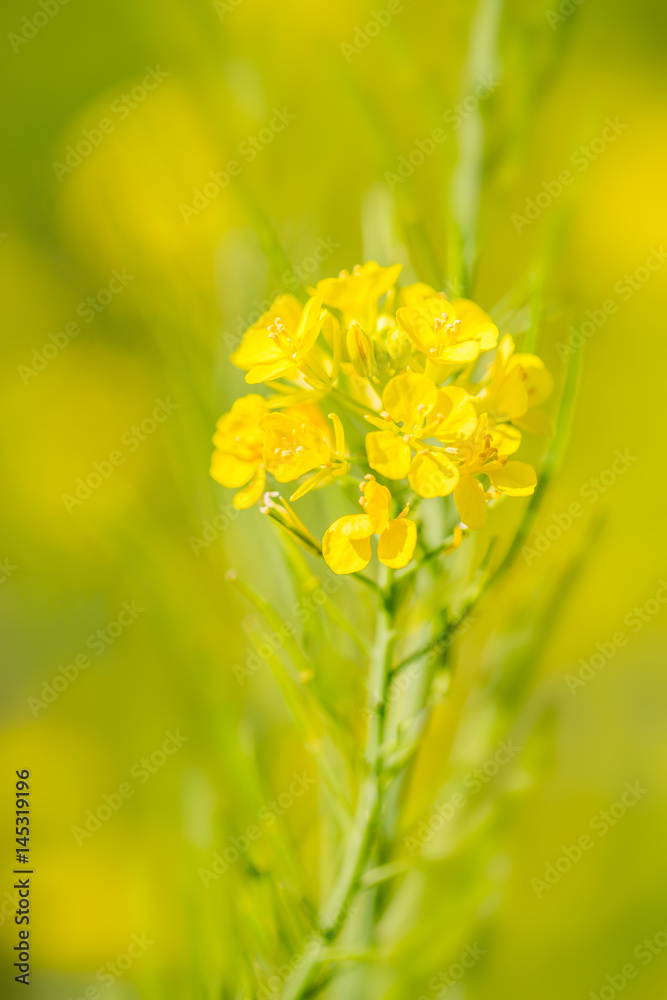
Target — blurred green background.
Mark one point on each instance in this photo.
(193, 278)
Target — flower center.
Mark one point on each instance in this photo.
(281, 337)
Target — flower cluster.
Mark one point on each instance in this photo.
(407, 373)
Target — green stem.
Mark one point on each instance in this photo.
(366, 824)
(371, 584)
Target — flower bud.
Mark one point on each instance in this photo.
(360, 351)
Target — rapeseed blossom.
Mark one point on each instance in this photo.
(402, 372)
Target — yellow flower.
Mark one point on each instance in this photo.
(478, 455)
(357, 294)
(335, 465)
(414, 296)
(416, 412)
(518, 383)
(448, 333)
(295, 441)
(251, 440)
(239, 449)
(346, 545)
(277, 344)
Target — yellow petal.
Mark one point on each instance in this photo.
(461, 353)
(505, 350)
(310, 414)
(256, 347)
(512, 394)
(388, 454)
(415, 295)
(241, 426)
(408, 397)
(515, 479)
(477, 324)
(356, 526)
(354, 293)
(415, 324)
(397, 543)
(281, 368)
(432, 475)
(251, 493)
(506, 438)
(453, 415)
(230, 471)
(437, 306)
(376, 501)
(538, 379)
(292, 446)
(470, 502)
(310, 325)
(342, 553)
